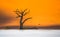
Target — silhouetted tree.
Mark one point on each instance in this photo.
(21, 14)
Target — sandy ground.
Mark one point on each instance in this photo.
(30, 33)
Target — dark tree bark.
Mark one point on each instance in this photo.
(21, 23)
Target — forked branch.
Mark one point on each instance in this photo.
(26, 19)
(26, 12)
(17, 12)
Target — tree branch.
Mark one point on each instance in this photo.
(26, 20)
(25, 10)
(18, 16)
(26, 13)
(17, 12)
(22, 12)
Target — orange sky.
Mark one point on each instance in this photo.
(43, 12)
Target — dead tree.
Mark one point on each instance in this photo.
(21, 14)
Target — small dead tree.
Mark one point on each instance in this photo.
(21, 14)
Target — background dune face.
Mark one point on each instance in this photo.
(43, 12)
(4, 18)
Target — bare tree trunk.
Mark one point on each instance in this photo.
(21, 26)
(21, 23)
